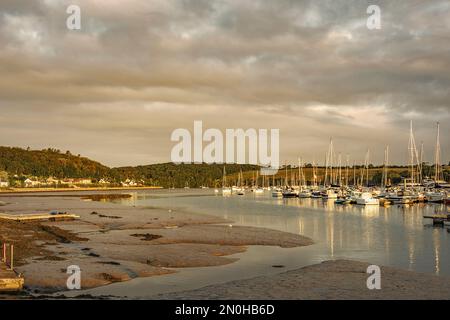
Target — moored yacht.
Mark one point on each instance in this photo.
(316, 195)
(345, 200)
(400, 197)
(329, 194)
(290, 193)
(226, 191)
(304, 194)
(258, 191)
(366, 198)
(277, 193)
(436, 197)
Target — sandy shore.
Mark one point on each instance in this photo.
(112, 243)
(71, 190)
(337, 280)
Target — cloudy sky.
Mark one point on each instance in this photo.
(138, 69)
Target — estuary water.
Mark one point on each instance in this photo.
(395, 236)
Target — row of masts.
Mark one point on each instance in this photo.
(338, 174)
(416, 159)
(335, 176)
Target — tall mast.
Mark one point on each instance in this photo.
(286, 176)
(340, 169)
(384, 181)
(367, 166)
(420, 173)
(331, 160)
(437, 156)
(292, 176)
(224, 179)
(314, 170)
(413, 154)
(346, 170)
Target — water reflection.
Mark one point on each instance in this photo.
(395, 235)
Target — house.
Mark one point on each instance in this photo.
(4, 184)
(29, 183)
(129, 183)
(82, 181)
(52, 181)
(67, 181)
(72, 182)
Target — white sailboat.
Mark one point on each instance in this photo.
(257, 189)
(277, 193)
(303, 192)
(226, 191)
(240, 190)
(435, 196)
(366, 198)
(329, 194)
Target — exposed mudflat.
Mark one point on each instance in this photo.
(337, 280)
(112, 243)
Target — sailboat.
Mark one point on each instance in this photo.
(240, 190)
(277, 193)
(289, 191)
(436, 196)
(303, 192)
(329, 194)
(366, 198)
(258, 190)
(438, 174)
(226, 191)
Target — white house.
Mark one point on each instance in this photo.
(4, 184)
(82, 181)
(104, 181)
(129, 183)
(31, 183)
(52, 181)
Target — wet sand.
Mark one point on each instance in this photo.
(336, 280)
(112, 243)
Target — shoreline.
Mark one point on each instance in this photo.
(68, 190)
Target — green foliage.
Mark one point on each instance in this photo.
(54, 163)
(179, 175)
(3, 176)
(49, 163)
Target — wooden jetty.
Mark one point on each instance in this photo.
(439, 218)
(38, 217)
(9, 279)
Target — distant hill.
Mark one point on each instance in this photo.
(54, 163)
(180, 175)
(49, 163)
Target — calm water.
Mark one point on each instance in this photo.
(394, 236)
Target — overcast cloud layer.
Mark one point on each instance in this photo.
(138, 69)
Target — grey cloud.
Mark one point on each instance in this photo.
(139, 69)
